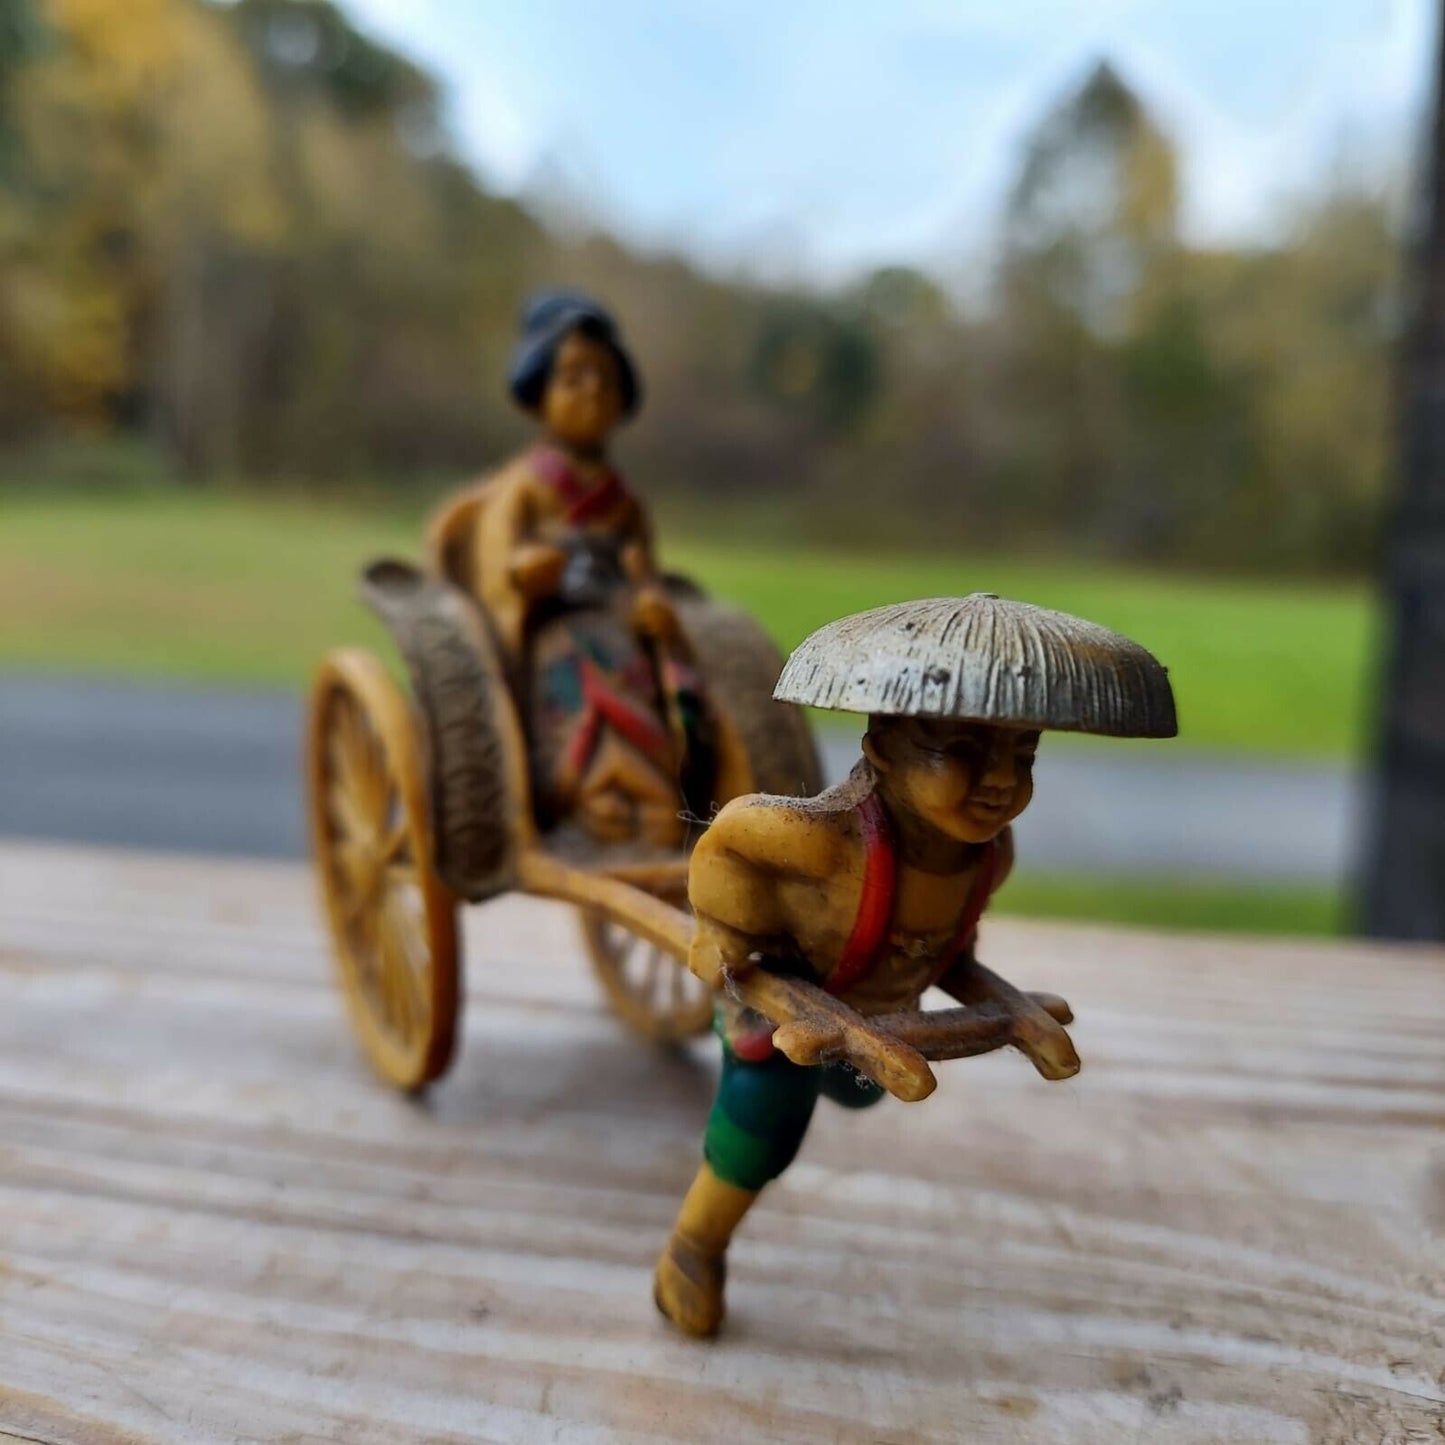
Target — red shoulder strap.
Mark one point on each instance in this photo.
(875, 906)
(978, 896)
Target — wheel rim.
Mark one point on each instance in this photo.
(393, 923)
(647, 988)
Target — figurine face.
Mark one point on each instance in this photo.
(583, 398)
(967, 779)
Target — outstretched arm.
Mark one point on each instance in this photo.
(734, 903)
(639, 556)
(509, 548)
(754, 846)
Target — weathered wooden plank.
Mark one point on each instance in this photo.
(214, 1226)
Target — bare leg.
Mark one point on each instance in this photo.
(692, 1270)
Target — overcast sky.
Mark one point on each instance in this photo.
(820, 137)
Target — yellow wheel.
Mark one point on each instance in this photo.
(646, 987)
(393, 922)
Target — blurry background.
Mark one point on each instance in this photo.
(1093, 305)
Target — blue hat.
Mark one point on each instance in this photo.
(548, 318)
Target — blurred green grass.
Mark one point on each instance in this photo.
(243, 588)
(248, 588)
(1188, 905)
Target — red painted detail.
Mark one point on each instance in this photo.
(679, 677)
(644, 732)
(603, 705)
(755, 1046)
(978, 896)
(875, 913)
(870, 927)
(582, 744)
(584, 503)
(875, 904)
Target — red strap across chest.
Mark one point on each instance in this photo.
(870, 926)
(875, 916)
(875, 905)
(584, 503)
(979, 894)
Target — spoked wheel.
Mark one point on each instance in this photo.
(393, 922)
(646, 988)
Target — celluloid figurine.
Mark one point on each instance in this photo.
(559, 551)
(874, 888)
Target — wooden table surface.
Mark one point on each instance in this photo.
(215, 1226)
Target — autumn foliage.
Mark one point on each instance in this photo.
(241, 233)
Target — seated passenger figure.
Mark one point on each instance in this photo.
(559, 552)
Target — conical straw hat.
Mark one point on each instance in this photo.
(984, 658)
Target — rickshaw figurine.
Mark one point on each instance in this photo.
(873, 890)
(576, 713)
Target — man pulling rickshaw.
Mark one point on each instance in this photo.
(576, 717)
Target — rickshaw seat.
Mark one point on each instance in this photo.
(451, 534)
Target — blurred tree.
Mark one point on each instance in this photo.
(1095, 205)
(902, 298)
(20, 38)
(1090, 224)
(392, 306)
(308, 48)
(241, 231)
(1187, 457)
(1308, 328)
(140, 141)
(1174, 403)
(816, 361)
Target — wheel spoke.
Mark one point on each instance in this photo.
(647, 987)
(342, 749)
(396, 845)
(353, 909)
(345, 814)
(651, 969)
(399, 858)
(361, 764)
(355, 865)
(415, 992)
(619, 946)
(361, 928)
(374, 791)
(405, 958)
(392, 986)
(403, 875)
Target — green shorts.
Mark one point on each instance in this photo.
(762, 1111)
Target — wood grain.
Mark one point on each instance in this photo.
(214, 1226)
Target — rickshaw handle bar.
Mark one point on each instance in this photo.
(812, 1026)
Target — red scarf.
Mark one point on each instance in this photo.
(584, 503)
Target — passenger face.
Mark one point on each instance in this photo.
(583, 398)
(968, 780)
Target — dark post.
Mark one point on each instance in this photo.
(1405, 870)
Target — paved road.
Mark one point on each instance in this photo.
(217, 772)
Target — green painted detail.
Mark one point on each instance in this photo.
(747, 1161)
(763, 1109)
